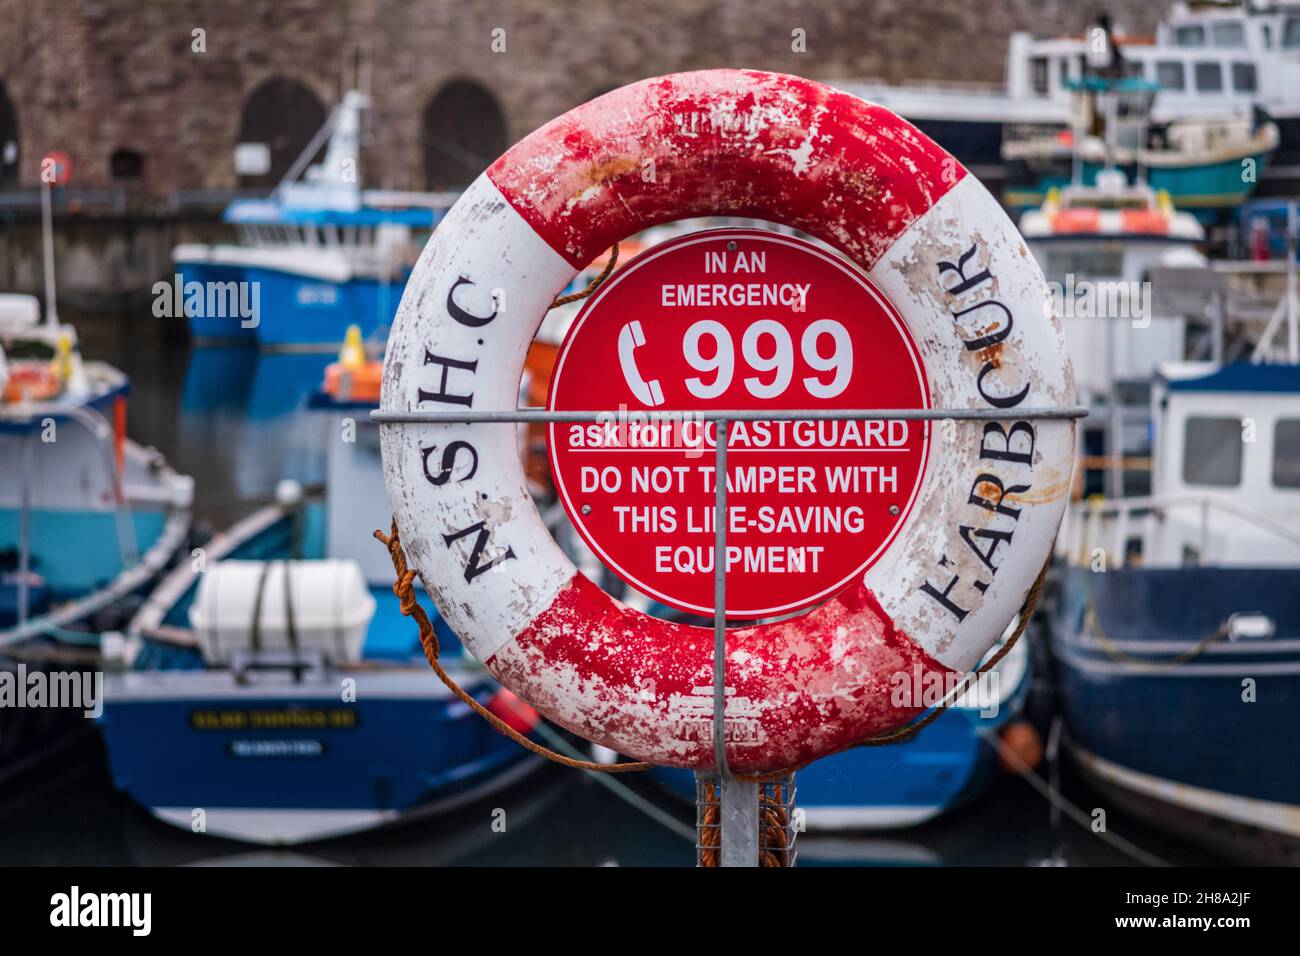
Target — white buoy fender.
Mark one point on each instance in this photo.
(930, 238)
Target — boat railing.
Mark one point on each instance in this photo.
(1109, 523)
(946, 87)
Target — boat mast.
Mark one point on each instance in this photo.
(1288, 307)
(47, 243)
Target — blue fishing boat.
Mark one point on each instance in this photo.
(275, 693)
(318, 255)
(88, 518)
(947, 765)
(1176, 637)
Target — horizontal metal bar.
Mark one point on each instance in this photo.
(425, 417)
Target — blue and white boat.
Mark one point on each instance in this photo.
(1176, 638)
(947, 765)
(318, 255)
(88, 518)
(272, 692)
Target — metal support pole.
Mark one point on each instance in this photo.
(25, 531)
(739, 822)
(47, 244)
(720, 602)
(1292, 305)
(738, 800)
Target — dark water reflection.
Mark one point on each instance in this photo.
(68, 813)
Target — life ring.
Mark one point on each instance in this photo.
(931, 239)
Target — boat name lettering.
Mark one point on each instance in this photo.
(334, 718)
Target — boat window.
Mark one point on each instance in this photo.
(1268, 36)
(1064, 73)
(1212, 452)
(1209, 77)
(1170, 75)
(1286, 453)
(1243, 77)
(1291, 32)
(1082, 263)
(1193, 35)
(1229, 34)
(1038, 68)
(1105, 202)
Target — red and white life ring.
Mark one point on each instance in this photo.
(931, 239)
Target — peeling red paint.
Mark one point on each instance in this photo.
(725, 142)
(797, 689)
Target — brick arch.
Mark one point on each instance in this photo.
(10, 141)
(126, 165)
(285, 114)
(462, 130)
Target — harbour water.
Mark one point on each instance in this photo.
(69, 814)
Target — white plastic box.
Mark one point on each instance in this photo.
(332, 608)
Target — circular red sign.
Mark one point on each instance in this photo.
(738, 319)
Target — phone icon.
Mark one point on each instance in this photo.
(630, 338)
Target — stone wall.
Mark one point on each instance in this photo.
(94, 76)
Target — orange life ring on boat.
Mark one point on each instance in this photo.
(354, 383)
(31, 381)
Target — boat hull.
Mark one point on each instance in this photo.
(1195, 735)
(303, 312)
(1210, 191)
(211, 324)
(292, 310)
(291, 763)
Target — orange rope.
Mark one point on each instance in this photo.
(593, 285)
(404, 588)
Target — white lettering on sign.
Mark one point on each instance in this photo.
(707, 294)
(810, 503)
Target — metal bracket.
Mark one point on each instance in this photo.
(518, 415)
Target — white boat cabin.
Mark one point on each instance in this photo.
(1225, 479)
(1097, 246)
(1206, 60)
